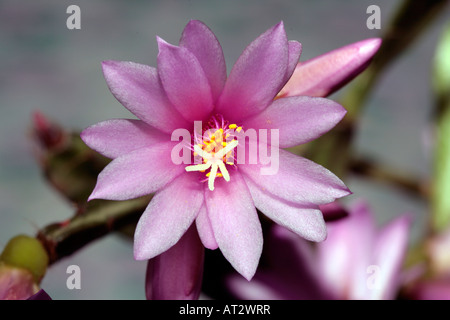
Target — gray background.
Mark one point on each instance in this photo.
(44, 66)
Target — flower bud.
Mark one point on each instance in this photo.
(27, 253)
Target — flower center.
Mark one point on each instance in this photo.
(215, 146)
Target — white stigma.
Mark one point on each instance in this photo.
(213, 161)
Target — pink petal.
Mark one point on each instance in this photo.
(184, 81)
(298, 119)
(295, 50)
(177, 273)
(202, 42)
(257, 76)
(306, 222)
(289, 273)
(327, 73)
(139, 89)
(205, 230)
(235, 223)
(167, 217)
(343, 258)
(114, 138)
(389, 253)
(298, 180)
(295, 261)
(136, 174)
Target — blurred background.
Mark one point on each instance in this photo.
(45, 66)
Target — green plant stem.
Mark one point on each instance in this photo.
(99, 219)
(440, 204)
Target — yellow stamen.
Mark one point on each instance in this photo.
(218, 175)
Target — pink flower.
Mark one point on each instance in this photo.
(218, 196)
(356, 261)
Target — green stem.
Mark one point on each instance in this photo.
(440, 204)
(100, 218)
